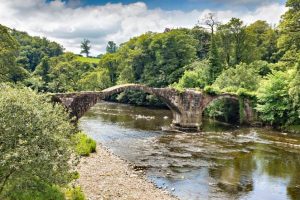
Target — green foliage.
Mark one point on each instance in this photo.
(34, 139)
(9, 71)
(111, 47)
(203, 38)
(84, 145)
(35, 190)
(215, 66)
(211, 90)
(59, 74)
(96, 80)
(110, 63)
(289, 29)
(195, 77)
(242, 76)
(169, 52)
(261, 42)
(262, 67)
(275, 105)
(245, 94)
(126, 75)
(232, 37)
(294, 87)
(33, 49)
(74, 194)
(66, 72)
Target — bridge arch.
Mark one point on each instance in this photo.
(244, 106)
(164, 94)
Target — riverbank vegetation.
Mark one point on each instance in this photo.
(35, 146)
(84, 144)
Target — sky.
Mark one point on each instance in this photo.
(68, 22)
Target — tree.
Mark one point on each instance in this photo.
(294, 88)
(111, 47)
(43, 69)
(289, 29)
(211, 21)
(96, 80)
(275, 105)
(263, 68)
(196, 77)
(237, 30)
(225, 42)
(85, 47)
(203, 38)
(126, 75)
(65, 73)
(215, 66)
(232, 38)
(110, 63)
(261, 39)
(169, 53)
(8, 54)
(33, 49)
(242, 76)
(35, 145)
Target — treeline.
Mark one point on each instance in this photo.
(256, 60)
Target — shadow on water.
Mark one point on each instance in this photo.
(221, 162)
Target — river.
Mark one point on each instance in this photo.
(220, 162)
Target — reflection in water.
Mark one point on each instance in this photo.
(220, 162)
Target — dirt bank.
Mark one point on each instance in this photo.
(105, 176)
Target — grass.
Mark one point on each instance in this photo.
(84, 145)
(88, 60)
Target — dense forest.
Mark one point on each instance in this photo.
(256, 61)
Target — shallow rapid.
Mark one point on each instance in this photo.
(220, 162)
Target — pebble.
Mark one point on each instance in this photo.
(133, 175)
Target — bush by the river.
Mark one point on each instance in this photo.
(35, 145)
(84, 144)
(74, 194)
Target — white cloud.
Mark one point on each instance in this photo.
(68, 25)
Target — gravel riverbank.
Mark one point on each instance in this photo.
(104, 176)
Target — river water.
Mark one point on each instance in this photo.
(220, 162)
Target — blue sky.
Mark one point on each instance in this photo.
(70, 21)
(188, 5)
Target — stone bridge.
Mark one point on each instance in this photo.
(187, 107)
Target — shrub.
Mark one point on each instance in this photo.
(242, 76)
(35, 141)
(84, 145)
(74, 194)
(211, 90)
(35, 190)
(243, 93)
(195, 77)
(275, 105)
